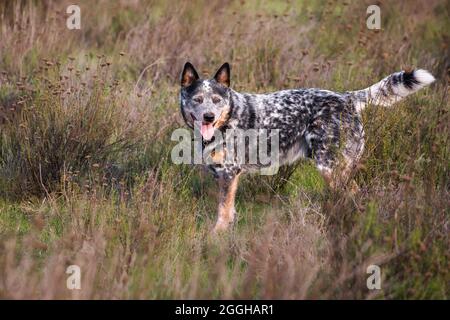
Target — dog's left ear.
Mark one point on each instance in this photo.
(223, 75)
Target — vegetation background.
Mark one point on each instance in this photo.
(85, 172)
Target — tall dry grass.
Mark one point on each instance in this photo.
(86, 176)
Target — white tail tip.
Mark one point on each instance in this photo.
(423, 77)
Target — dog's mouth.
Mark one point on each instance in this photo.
(206, 129)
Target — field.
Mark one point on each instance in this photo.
(86, 177)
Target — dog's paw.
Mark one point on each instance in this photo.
(354, 188)
(221, 226)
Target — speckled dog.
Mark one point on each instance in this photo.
(320, 124)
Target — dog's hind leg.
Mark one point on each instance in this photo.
(338, 172)
(226, 211)
(335, 177)
(336, 148)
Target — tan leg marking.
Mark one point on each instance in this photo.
(218, 157)
(226, 209)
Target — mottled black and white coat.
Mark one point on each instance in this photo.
(320, 124)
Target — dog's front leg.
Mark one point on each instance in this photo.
(226, 211)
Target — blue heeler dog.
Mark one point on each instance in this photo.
(320, 124)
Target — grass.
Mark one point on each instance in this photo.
(86, 176)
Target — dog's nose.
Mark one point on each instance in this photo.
(208, 117)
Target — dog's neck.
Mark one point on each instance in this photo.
(242, 113)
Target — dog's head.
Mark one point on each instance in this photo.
(206, 101)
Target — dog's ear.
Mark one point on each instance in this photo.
(189, 75)
(223, 75)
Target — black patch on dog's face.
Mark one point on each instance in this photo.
(200, 96)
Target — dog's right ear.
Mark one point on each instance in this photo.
(189, 75)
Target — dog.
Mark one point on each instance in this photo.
(323, 125)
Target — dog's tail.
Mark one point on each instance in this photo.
(392, 89)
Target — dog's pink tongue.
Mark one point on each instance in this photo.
(207, 131)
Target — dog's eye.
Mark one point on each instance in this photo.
(216, 99)
(198, 99)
